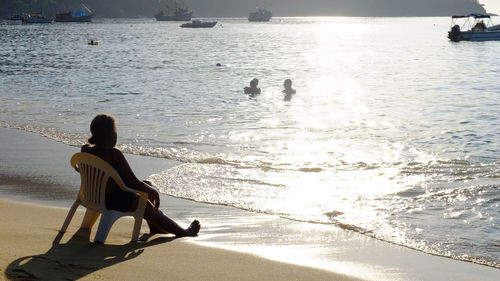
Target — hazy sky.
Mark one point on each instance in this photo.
(491, 6)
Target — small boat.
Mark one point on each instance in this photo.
(179, 14)
(199, 24)
(93, 43)
(78, 16)
(260, 15)
(479, 30)
(36, 18)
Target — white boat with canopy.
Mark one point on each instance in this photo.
(478, 27)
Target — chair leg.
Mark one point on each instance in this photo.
(69, 216)
(139, 214)
(137, 228)
(89, 219)
(107, 220)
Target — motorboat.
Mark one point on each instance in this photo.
(199, 24)
(478, 27)
(36, 18)
(260, 15)
(78, 16)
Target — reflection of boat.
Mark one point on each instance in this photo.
(478, 29)
(199, 24)
(78, 16)
(260, 15)
(36, 18)
(179, 14)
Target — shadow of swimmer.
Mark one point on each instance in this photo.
(76, 258)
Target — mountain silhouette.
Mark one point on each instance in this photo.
(241, 8)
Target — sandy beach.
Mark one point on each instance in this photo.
(37, 187)
(33, 249)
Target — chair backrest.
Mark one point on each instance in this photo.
(94, 174)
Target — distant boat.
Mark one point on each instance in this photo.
(36, 18)
(179, 14)
(199, 24)
(78, 16)
(260, 15)
(479, 30)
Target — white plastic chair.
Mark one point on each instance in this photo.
(95, 173)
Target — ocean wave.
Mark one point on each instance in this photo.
(172, 153)
(72, 139)
(454, 169)
(268, 194)
(225, 185)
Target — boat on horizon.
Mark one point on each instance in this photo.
(479, 30)
(84, 15)
(178, 14)
(199, 24)
(260, 15)
(36, 18)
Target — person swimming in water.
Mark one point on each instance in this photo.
(288, 91)
(253, 90)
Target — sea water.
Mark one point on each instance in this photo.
(394, 131)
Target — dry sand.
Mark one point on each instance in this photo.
(33, 249)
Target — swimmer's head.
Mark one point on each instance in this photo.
(254, 82)
(287, 84)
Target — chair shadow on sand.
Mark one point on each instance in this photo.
(76, 258)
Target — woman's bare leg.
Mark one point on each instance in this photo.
(160, 223)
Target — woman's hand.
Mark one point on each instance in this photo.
(153, 195)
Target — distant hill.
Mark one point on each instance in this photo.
(386, 8)
(241, 8)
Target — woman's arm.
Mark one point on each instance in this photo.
(129, 178)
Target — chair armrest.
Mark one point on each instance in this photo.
(135, 191)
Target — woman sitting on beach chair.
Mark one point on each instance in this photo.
(102, 144)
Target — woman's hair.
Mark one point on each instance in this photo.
(101, 127)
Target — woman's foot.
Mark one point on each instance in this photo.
(194, 228)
